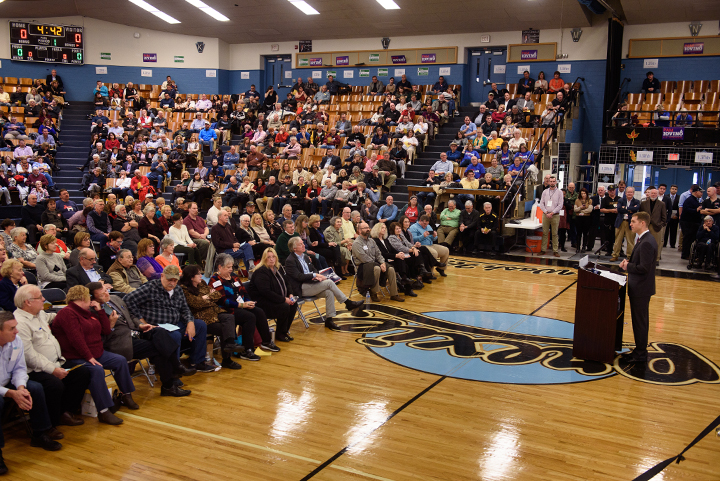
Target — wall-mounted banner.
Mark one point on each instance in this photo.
(344, 60)
(179, 59)
(288, 74)
(317, 74)
(650, 63)
(211, 73)
(645, 156)
(522, 68)
(427, 58)
(375, 57)
(348, 74)
(245, 75)
(673, 133)
(149, 57)
(398, 59)
(316, 62)
(528, 55)
(305, 45)
(145, 73)
(564, 67)
(364, 72)
(606, 168)
(105, 56)
(499, 69)
(100, 70)
(703, 157)
(423, 71)
(484, 38)
(444, 71)
(693, 48)
(382, 72)
(331, 72)
(303, 62)
(531, 36)
(399, 72)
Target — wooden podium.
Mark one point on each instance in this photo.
(599, 317)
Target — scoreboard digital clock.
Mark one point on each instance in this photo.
(36, 42)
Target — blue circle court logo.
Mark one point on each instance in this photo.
(508, 348)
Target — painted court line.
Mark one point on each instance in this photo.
(251, 445)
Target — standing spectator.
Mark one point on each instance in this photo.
(627, 206)
(690, 219)
(551, 203)
(657, 210)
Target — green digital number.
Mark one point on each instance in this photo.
(79, 56)
(19, 52)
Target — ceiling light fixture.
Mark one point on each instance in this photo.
(389, 4)
(149, 8)
(209, 10)
(304, 7)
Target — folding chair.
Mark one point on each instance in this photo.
(31, 277)
(150, 371)
(300, 301)
(352, 287)
(53, 296)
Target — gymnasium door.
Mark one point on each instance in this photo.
(277, 67)
(486, 65)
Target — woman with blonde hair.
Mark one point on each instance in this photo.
(13, 277)
(273, 293)
(258, 225)
(81, 241)
(50, 265)
(79, 328)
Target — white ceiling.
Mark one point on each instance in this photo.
(254, 21)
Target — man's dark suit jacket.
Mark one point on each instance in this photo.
(335, 161)
(641, 267)
(76, 276)
(625, 208)
(671, 206)
(658, 217)
(295, 274)
(48, 80)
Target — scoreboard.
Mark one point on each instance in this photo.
(37, 42)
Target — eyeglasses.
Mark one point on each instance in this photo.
(41, 298)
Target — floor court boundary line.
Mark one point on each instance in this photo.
(250, 445)
(329, 462)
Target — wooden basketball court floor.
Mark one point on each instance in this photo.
(402, 395)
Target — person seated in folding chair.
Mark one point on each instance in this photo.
(307, 282)
(134, 339)
(371, 268)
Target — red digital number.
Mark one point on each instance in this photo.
(64, 56)
(78, 38)
(23, 33)
(29, 54)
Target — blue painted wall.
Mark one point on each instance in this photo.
(237, 85)
(587, 129)
(80, 80)
(674, 68)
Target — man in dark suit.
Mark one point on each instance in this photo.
(641, 284)
(672, 200)
(627, 206)
(87, 271)
(658, 215)
(134, 339)
(597, 219)
(54, 76)
(306, 281)
(331, 159)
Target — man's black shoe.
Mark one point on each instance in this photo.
(174, 391)
(44, 441)
(350, 305)
(186, 371)
(442, 272)
(330, 324)
(228, 363)
(3, 467)
(269, 346)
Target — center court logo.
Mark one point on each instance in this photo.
(509, 348)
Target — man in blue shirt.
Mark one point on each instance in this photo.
(468, 154)
(442, 166)
(454, 155)
(388, 212)
(469, 129)
(28, 395)
(251, 98)
(440, 86)
(207, 136)
(101, 88)
(424, 235)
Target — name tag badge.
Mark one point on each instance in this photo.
(15, 354)
(237, 284)
(549, 203)
(626, 216)
(365, 247)
(240, 300)
(217, 284)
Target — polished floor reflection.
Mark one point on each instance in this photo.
(436, 405)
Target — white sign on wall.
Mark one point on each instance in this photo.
(703, 157)
(650, 63)
(484, 38)
(288, 74)
(347, 74)
(317, 74)
(211, 73)
(523, 68)
(606, 168)
(498, 68)
(399, 72)
(564, 67)
(444, 71)
(100, 70)
(645, 156)
(145, 73)
(245, 75)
